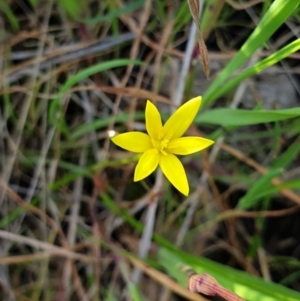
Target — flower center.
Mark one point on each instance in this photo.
(161, 145)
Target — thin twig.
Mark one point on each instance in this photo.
(49, 59)
(46, 247)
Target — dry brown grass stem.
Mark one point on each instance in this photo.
(34, 243)
(15, 197)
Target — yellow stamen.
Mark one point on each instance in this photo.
(161, 145)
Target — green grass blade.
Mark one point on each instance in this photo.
(285, 159)
(110, 296)
(101, 123)
(258, 67)
(182, 16)
(9, 14)
(8, 219)
(276, 15)
(76, 78)
(252, 196)
(56, 114)
(269, 191)
(128, 8)
(72, 7)
(245, 285)
(234, 117)
(211, 15)
(134, 292)
(34, 2)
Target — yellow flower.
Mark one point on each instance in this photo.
(163, 142)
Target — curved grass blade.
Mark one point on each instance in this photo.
(276, 15)
(56, 114)
(82, 129)
(252, 196)
(258, 67)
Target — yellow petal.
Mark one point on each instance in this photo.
(153, 121)
(180, 121)
(147, 164)
(175, 173)
(188, 145)
(136, 142)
